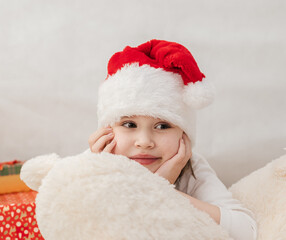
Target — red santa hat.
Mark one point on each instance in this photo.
(159, 79)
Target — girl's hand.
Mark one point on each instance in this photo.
(172, 168)
(102, 140)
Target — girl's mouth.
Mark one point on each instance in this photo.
(144, 159)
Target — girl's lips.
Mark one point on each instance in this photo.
(144, 159)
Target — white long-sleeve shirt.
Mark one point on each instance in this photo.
(207, 187)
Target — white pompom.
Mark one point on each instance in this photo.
(198, 95)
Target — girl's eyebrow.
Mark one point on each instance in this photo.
(125, 117)
(163, 121)
(166, 122)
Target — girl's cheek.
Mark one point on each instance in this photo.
(120, 147)
(172, 148)
(117, 143)
(117, 149)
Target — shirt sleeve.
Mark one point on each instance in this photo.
(238, 224)
(207, 187)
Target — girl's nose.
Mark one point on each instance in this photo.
(144, 140)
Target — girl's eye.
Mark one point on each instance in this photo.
(129, 125)
(163, 126)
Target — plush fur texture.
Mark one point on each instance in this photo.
(36, 172)
(199, 95)
(109, 197)
(264, 192)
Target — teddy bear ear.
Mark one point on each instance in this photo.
(280, 167)
(35, 169)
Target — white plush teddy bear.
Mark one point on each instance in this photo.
(109, 197)
(105, 196)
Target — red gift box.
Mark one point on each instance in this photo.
(17, 217)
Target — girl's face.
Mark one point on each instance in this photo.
(147, 140)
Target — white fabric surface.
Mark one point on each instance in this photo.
(207, 187)
(54, 55)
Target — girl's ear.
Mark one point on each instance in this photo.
(34, 170)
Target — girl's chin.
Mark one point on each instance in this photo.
(153, 167)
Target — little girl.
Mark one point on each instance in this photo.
(146, 111)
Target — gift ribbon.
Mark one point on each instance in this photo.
(8, 163)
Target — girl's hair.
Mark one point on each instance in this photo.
(186, 167)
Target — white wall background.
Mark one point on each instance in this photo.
(53, 55)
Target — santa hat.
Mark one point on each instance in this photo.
(159, 79)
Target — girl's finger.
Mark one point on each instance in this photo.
(181, 152)
(109, 147)
(183, 148)
(186, 138)
(101, 143)
(96, 135)
(188, 146)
